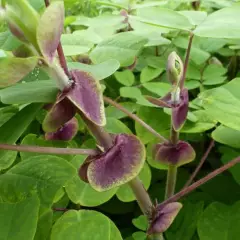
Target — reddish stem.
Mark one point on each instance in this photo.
(48, 150)
(186, 60)
(203, 159)
(200, 182)
(134, 117)
(61, 209)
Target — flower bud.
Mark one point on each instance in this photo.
(174, 68)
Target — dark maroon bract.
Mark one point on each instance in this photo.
(118, 165)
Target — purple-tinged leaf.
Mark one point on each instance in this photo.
(50, 29)
(14, 69)
(60, 113)
(85, 93)
(118, 165)
(23, 20)
(170, 154)
(179, 113)
(66, 133)
(17, 31)
(164, 217)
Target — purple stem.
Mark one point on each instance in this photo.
(203, 159)
(48, 150)
(200, 182)
(186, 61)
(135, 117)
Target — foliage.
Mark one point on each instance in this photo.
(168, 116)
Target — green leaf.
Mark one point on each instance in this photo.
(14, 69)
(19, 220)
(50, 173)
(75, 45)
(16, 126)
(6, 113)
(44, 225)
(194, 17)
(204, 122)
(226, 135)
(149, 73)
(8, 42)
(135, 93)
(222, 106)
(139, 236)
(125, 77)
(112, 112)
(140, 222)
(98, 71)
(160, 122)
(116, 126)
(213, 71)
(125, 194)
(164, 17)
(220, 24)
(227, 155)
(84, 224)
(214, 81)
(34, 140)
(185, 224)
(159, 88)
(233, 87)
(191, 84)
(82, 193)
(123, 47)
(38, 91)
(220, 221)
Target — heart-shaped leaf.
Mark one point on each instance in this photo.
(118, 165)
(86, 94)
(50, 29)
(171, 154)
(13, 69)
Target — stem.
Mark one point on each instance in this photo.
(135, 117)
(203, 159)
(61, 209)
(142, 197)
(103, 138)
(186, 61)
(200, 182)
(172, 169)
(48, 150)
(174, 136)
(171, 181)
(62, 59)
(47, 3)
